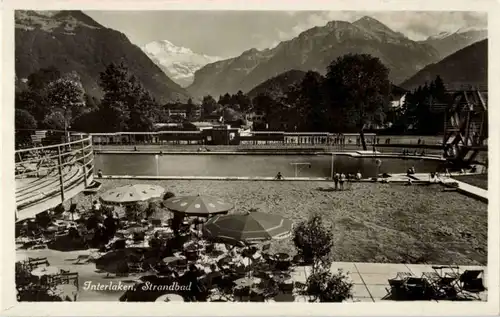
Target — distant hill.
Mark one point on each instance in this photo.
(315, 49)
(72, 41)
(467, 67)
(448, 43)
(277, 86)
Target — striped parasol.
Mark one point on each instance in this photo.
(131, 194)
(200, 205)
(248, 228)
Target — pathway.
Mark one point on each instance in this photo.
(370, 279)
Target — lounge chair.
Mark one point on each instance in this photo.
(471, 283)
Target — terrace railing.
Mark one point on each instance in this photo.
(48, 175)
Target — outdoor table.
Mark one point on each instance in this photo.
(282, 257)
(67, 290)
(246, 281)
(170, 298)
(280, 277)
(171, 259)
(46, 270)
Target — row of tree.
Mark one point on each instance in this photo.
(354, 95)
(422, 111)
(59, 102)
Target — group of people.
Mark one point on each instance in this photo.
(340, 179)
(415, 153)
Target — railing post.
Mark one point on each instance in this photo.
(61, 178)
(84, 163)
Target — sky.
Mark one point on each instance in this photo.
(229, 33)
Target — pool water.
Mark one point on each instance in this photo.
(241, 165)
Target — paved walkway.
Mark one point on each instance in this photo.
(371, 279)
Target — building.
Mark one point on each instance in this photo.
(214, 119)
(177, 113)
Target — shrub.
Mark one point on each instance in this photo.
(153, 208)
(325, 286)
(168, 195)
(314, 240)
(136, 211)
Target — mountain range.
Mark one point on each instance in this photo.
(447, 43)
(315, 49)
(178, 63)
(74, 42)
(467, 67)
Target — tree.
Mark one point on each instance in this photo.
(24, 120)
(231, 115)
(66, 97)
(314, 241)
(33, 102)
(242, 100)
(208, 105)
(24, 123)
(265, 105)
(41, 78)
(225, 100)
(310, 103)
(190, 109)
(327, 287)
(55, 120)
(117, 88)
(358, 85)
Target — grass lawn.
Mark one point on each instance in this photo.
(479, 180)
(372, 222)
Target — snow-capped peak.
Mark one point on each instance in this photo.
(470, 29)
(463, 30)
(440, 35)
(179, 63)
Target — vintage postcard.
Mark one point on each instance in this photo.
(294, 158)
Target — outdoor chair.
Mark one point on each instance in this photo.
(156, 222)
(135, 267)
(34, 263)
(471, 283)
(443, 286)
(417, 288)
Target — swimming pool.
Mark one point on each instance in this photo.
(253, 165)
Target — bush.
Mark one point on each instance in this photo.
(327, 287)
(153, 208)
(314, 241)
(136, 211)
(168, 195)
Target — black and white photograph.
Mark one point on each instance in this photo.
(262, 156)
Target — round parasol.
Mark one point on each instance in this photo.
(131, 193)
(170, 298)
(200, 205)
(248, 228)
(113, 261)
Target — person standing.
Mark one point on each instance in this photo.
(336, 178)
(358, 176)
(342, 181)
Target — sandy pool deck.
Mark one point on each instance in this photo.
(384, 223)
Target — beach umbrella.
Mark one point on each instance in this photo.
(170, 298)
(131, 194)
(112, 261)
(248, 228)
(200, 205)
(133, 230)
